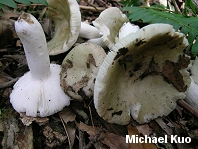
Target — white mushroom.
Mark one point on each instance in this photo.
(88, 31)
(79, 69)
(143, 75)
(192, 94)
(38, 92)
(126, 29)
(109, 23)
(67, 20)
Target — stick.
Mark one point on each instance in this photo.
(187, 107)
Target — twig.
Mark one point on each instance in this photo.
(81, 139)
(91, 117)
(98, 9)
(90, 4)
(176, 6)
(187, 107)
(23, 5)
(70, 146)
(8, 84)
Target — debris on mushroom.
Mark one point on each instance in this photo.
(67, 20)
(109, 28)
(143, 75)
(192, 94)
(38, 92)
(79, 69)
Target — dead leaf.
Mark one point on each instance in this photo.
(7, 33)
(27, 120)
(7, 14)
(112, 140)
(134, 131)
(164, 126)
(144, 129)
(53, 136)
(67, 117)
(171, 71)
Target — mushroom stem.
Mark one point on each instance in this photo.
(32, 36)
(88, 31)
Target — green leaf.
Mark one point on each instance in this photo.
(189, 3)
(39, 2)
(1, 6)
(26, 2)
(9, 3)
(187, 25)
(44, 2)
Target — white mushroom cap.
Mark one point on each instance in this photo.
(126, 29)
(142, 75)
(109, 23)
(67, 20)
(192, 94)
(38, 92)
(39, 98)
(79, 69)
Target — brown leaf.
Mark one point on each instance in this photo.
(134, 131)
(114, 141)
(68, 117)
(171, 71)
(144, 129)
(110, 139)
(27, 120)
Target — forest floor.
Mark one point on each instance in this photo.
(77, 126)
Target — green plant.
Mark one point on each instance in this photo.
(181, 22)
(13, 3)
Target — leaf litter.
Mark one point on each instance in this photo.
(77, 126)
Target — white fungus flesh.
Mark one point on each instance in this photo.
(38, 92)
(79, 70)
(109, 23)
(143, 76)
(67, 21)
(192, 94)
(88, 31)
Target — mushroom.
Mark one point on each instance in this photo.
(109, 23)
(192, 94)
(37, 92)
(67, 20)
(88, 31)
(143, 75)
(126, 29)
(79, 69)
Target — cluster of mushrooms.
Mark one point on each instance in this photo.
(142, 76)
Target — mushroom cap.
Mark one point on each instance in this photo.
(109, 23)
(67, 20)
(142, 75)
(39, 98)
(79, 69)
(192, 93)
(126, 29)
